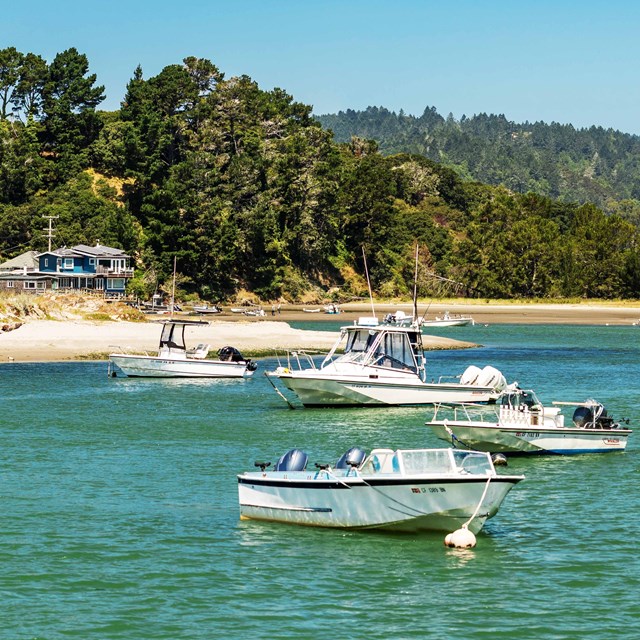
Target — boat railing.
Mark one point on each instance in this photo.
(127, 351)
(300, 359)
(464, 412)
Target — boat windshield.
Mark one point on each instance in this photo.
(472, 461)
(389, 349)
(358, 342)
(519, 399)
(426, 461)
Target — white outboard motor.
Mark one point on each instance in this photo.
(470, 375)
(491, 377)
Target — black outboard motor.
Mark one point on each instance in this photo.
(593, 418)
(352, 458)
(230, 354)
(583, 417)
(294, 460)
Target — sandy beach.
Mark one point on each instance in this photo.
(51, 340)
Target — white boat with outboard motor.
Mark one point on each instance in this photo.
(519, 424)
(374, 364)
(207, 308)
(174, 360)
(402, 490)
(448, 320)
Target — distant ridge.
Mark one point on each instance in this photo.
(578, 165)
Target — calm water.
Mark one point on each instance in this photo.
(120, 514)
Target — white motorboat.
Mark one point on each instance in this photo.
(520, 424)
(174, 360)
(311, 310)
(402, 490)
(207, 309)
(448, 320)
(380, 364)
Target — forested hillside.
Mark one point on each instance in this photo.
(248, 192)
(595, 165)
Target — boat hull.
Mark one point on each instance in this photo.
(156, 367)
(447, 323)
(531, 440)
(315, 390)
(407, 504)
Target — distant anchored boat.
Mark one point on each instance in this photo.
(448, 320)
(520, 424)
(174, 360)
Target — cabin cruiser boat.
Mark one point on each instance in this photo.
(174, 360)
(520, 424)
(373, 364)
(402, 490)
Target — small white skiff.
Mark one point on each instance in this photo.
(520, 424)
(402, 490)
(174, 360)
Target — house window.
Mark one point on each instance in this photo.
(34, 284)
(92, 262)
(68, 263)
(10, 284)
(46, 262)
(115, 284)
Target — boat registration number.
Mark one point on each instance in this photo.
(428, 490)
(527, 434)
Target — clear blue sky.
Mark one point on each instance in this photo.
(563, 61)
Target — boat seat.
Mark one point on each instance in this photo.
(293, 460)
(352, 458)
(200, 352)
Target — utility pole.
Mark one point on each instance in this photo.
(50, 231)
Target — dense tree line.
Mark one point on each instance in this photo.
(574, 165)
(248, 191)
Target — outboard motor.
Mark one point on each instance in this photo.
(230, 354)
(583, 417)
(593, 417)
(352, 458)
(294, 460)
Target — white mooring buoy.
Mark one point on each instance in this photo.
(461, 538)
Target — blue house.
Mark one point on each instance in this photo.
(97, 269)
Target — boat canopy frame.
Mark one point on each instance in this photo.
(172, 336)
(384, 346)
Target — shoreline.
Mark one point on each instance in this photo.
(75, 339)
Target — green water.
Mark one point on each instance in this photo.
(120, 513)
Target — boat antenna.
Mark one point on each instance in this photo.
(366, 270)
(415, 289)
(173, 289)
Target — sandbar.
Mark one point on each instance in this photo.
(54, 340)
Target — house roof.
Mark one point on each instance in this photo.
(26, 259)
(79, 250)
(100, 251)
